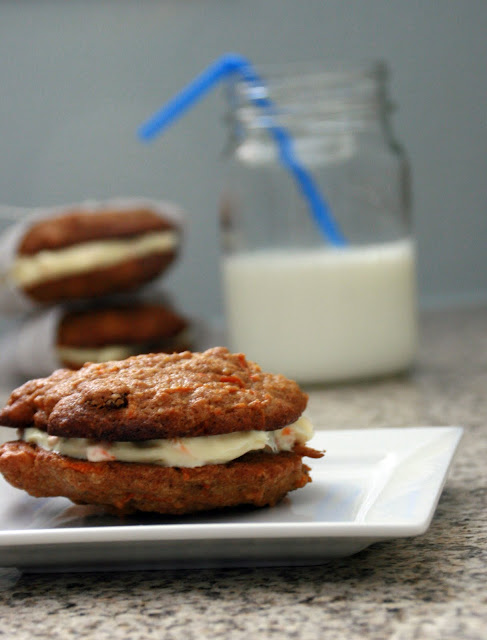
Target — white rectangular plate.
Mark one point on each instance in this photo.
(372, 485)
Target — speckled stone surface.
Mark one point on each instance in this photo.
(432, 586)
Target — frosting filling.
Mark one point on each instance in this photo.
(178, 452)
(46, 265)
(80, 355)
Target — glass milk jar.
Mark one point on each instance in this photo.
(295, 302)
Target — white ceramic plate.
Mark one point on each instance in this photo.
(372, 485)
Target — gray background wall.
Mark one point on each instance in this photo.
(76, 78)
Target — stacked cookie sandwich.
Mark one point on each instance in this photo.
(76, 272)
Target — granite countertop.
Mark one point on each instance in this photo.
(431, 586)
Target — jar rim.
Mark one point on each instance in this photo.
(327, 70)
(316, 90)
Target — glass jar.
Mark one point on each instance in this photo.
(296, 303)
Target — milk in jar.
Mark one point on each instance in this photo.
(324, 314)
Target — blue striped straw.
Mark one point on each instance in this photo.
(225, 66)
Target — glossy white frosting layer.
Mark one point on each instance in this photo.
(47, 265)
(180, 452)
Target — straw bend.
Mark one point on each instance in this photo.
(223, 67)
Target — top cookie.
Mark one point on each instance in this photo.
(78, 226)
(119, 324)
(155, 396)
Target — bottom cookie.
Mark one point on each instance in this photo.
(258, 478)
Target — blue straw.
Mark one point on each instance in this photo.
(223, 67)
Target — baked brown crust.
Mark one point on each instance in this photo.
(258, 478)
(124, 276)
(157, 396)
(77, 226)
(141, 328)
(122, 324)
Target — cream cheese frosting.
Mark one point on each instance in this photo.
(46, 265)
(80, 355)
(179, 452)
